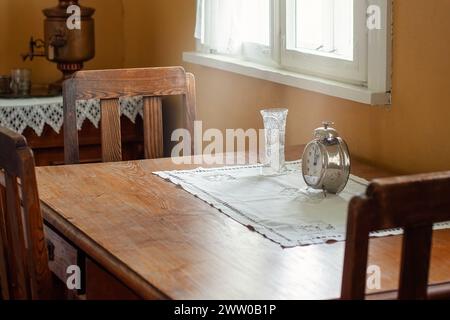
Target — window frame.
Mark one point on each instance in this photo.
(374, 60)
(266, 55)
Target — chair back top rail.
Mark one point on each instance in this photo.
(112, 84)
(410, 200)
(10, 141)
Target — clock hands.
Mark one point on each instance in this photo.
(316, 156)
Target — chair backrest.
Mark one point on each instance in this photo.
(108, 86)
(24, 270)
(413, 203)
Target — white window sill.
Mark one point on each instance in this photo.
(297, 80)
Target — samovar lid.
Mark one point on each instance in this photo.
(60, 11)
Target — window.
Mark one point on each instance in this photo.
(321, 27)
(236, 27)
(326, 39)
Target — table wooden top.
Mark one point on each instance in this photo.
(163, 242)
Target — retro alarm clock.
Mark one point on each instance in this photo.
(326, 161)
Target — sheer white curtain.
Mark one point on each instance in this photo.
(224, 25)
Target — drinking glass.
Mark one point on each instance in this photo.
(21, 82)
(275, 137)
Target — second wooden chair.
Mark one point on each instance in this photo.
(24, 264)
(108, 86)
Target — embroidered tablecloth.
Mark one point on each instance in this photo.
(280, 207)
(18, 114)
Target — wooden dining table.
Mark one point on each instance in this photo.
(135, 235)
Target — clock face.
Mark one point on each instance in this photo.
(312, 164)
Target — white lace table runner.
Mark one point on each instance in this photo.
(281, 208)
(19, 114)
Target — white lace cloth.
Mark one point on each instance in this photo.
(18, 114)
(280, 207)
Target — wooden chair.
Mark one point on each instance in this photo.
(24, 269)
(413, 203)
(108, 86)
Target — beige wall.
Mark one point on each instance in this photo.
(411, 136)
(20, 19)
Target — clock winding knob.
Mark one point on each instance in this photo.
(327, 124)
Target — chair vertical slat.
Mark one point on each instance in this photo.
(38, 267)
(356, 250)
(16, 255)
(153, 128)
(415, 265)
(71, 150)
(111, 131)
(190, 104)
(4, 290)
